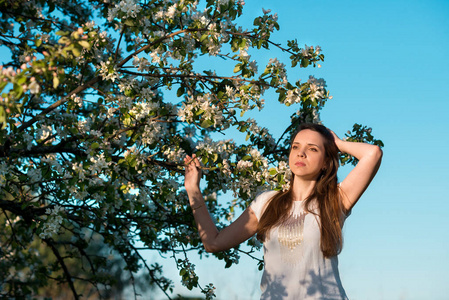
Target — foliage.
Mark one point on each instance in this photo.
(101, 100)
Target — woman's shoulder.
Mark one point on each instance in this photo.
(259, 203)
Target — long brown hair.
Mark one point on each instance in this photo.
(325, 193)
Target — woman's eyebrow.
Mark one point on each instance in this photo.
(310, 144)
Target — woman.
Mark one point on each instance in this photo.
(301, 227)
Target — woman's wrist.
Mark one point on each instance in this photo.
(198, 206)
(340, 144)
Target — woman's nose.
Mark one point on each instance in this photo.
(301, 153)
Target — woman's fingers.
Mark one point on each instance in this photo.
(192, 162)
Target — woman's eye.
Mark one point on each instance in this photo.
(313, 149)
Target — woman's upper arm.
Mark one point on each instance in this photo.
(244, 227)
(357, 181)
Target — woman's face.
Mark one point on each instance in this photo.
(307, 155)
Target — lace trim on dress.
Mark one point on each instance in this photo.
(290, 237)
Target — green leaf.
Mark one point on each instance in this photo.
(61, 32)
(2, 118)
(55, 82)
(228, 264)
(207, 123)
(21, 80)
(129, 23)
(3, 84)
(64, 40)
(180, 91)
(85, 44)
(237, 68)
(38, 42)
(242, 43)
(95, 146)
(304, 63)
(76, 52)
(18, 89)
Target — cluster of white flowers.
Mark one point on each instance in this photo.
(107, 72)
(223, 2)
(84, 125)
(52, 160)
(79, 170)
(293, 96)
(3, 171)
(52, 223)
(275, 64)
(313, 117)
(244, 164)
(78, 101)
(34, 87)
(224, 147)
(153, 132)
(261, 133)
(130, 7)
(167, 13)
(142, 64)
(99, 163)
(189, 269)
(174, 154)
(245, 57)
(34, 175)
(310, 52)
(27, 140)
(166, 187)
(77, 193)
(316, 88)
(250, 178)
(282, 169)
(201, 104)
(234, 256)
(143, 109)
(44, 132)
(201, 17)
(209, 291)
(230, 91)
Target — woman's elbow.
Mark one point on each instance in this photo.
(211, 248)
(378, 153)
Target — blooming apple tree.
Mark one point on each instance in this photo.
(100, 102)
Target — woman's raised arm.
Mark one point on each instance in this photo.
(213, 240)
(360, 177)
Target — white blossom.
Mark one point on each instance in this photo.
(107, 72)
(3, 171)
(52, 223)
(34, 87)
(130, 7)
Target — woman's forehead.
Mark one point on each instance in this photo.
(307, 136)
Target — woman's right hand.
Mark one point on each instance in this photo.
(192, 173)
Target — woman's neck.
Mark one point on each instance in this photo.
(302, 189)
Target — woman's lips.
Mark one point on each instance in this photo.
(299, 164)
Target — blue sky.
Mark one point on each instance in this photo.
(386, 66)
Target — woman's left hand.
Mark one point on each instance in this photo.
(192, 173)
(337, 140)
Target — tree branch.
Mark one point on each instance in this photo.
(64, 267)
(58, 103)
